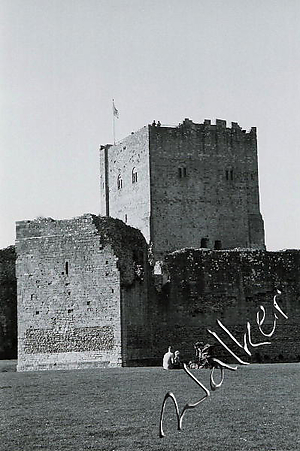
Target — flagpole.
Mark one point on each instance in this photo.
(115, 114)
(114, 127)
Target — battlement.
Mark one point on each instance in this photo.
(220, 124)
(186, 124)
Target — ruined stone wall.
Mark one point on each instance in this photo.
(200, 287)
(86, 297)
(204, 185)
(136, 324)
(127, 178)
(71, 274)
(8, 304)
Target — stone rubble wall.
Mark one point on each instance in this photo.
(200, 287)
(8, 304)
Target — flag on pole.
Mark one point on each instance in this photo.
(115, 111)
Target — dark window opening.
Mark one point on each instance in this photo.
(88, 303)
(218, 244)
(134, 176)
(126, 218)
(119, 182)
(182, 172)
(67, 268)
(229, 174)
(70, 310)
(204, 242)
(37, 312)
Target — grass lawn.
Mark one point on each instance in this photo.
(257, 408)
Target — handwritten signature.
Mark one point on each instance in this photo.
(218, 364)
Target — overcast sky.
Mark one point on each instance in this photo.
(62, 62)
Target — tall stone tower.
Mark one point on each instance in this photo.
(194, 185)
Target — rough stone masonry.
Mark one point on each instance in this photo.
(8, 304)
(82, 289)
(95, 291)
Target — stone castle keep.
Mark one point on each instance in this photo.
(179, 243)
(195, 185)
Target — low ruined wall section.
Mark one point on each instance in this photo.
(200, 287)
(8, 304)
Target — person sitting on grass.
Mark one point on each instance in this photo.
(168, 360)
(203, 356)
(176, 361)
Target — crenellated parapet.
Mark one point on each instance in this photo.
(219, 125)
